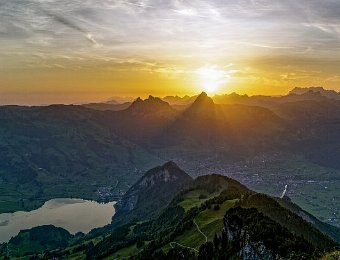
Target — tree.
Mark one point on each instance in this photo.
(216, 207)
(216, 242)
(202, 196)
(206, 251)
(140, 243)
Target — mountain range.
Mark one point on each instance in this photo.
(58, 150)
(332, 94)
(181, 103)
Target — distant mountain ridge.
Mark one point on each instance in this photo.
(119, 100)
(150, 105)
(331, 94)
(108, 106)
(176, 100)
(181, 103)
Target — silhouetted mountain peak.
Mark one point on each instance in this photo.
(151, 104)
(203, 100)
(308, 95)
(236, 95)
(138, 100)
(202, 96)
(202, 106)
(332, 94)
(300, 91)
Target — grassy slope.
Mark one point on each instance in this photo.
(210, 223)
(191, 199)
(123, 253)
(332, 256)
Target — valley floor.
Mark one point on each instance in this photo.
(314, 188)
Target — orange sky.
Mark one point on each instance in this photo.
(70, 52)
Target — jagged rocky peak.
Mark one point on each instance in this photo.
(151, 104)
(300, 90)
(236, 95)
(203, 106)
(203, 99)
(202, 102)
(138, 100)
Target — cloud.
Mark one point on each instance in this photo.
(178, 33)
(330, 28)
(71, 24)
(266, 46)
(186, 12)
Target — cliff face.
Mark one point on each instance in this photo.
(247, 249)
(154, 190)
(249, 235)
(147, 185)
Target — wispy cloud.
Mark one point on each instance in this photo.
(171, 37)
(330, 28)
(71, 24)
(266, 46)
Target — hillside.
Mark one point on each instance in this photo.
(196, 215)
(37, 240)
(325, 228)
(248, 234)
(160, 184)
(59, 151)
(206, 125)
(206, 218)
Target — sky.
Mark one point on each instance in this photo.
(61, 51)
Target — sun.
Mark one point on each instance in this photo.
(210, 87)
(211, 78)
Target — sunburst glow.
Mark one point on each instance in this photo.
(211, 78)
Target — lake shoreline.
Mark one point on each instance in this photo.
(72, 214)
(38, 203)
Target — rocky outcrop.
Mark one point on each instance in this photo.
(249, 235)
(248, 250)
(154, 190)
(150, 105)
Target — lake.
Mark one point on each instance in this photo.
(74, 215)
